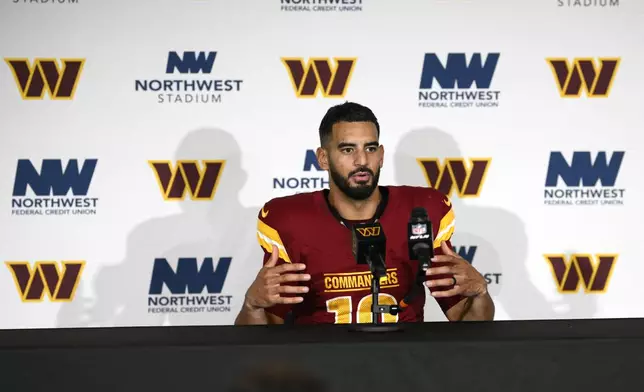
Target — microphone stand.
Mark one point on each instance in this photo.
(423, 265)
(376, 309)
(378, 270)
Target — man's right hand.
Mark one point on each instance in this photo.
(272, 281)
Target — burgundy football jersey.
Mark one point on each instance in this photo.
(305, 230)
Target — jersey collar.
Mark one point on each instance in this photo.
(384, 199)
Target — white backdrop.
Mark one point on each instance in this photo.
(263, 131)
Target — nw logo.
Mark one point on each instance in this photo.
(188, 277)
(46, 75)
(454, 175)
(467, 253)
(52, 179)
(581, 269)
(457, 73)
(318, 75)
(582, 170)
(46, 278)
(583, 75)
(369, 231)
(191, 62)
(311, 161)
(200, 182)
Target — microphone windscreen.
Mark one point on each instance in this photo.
(367, 237)
(419, 230)
(419, 212)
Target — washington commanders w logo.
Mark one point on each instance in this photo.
(188, 175)
(369, 231)
(46, 279)
(46, 75)
(318, 74)
(583, 75)
(455, 175)
(582, 269)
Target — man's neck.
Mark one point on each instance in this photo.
(354, 210)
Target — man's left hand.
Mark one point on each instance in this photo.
(467, 281)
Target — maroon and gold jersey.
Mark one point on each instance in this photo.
(305, 230)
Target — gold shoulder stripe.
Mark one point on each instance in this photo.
(267, 237)
(445, 229)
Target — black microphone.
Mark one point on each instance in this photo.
(421, 248)
(421, 242)
(370, 247)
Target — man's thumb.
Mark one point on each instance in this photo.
(274, 257)
(446, 249)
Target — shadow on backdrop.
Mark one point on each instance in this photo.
(216, 228)
(499, 235)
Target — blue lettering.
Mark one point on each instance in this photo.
(311, 160)
(466, 253)
(52, 180)
(582, 170)
(457, 71)
(187, 279)
(191, 63)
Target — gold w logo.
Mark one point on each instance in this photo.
(46, 279)
(318, 75)
(45, 75)
(187, 175)
(583, 75)
(454, 175)
(581, 269)
(369, 231)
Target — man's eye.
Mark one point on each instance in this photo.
(346, 150)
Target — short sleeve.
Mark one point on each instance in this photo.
(272, 229)
(443, 231)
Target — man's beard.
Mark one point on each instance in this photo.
(359, 192)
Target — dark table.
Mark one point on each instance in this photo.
(513, 356)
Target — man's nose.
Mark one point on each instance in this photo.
(361, 158)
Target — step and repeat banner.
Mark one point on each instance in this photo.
(140, 140)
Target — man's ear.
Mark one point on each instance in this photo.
(323, 158)
(382, 154)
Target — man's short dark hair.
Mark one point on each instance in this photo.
(348, 112)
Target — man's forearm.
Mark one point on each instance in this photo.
(479, 308)
(250, 316)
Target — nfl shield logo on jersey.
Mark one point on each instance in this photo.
(419, 229)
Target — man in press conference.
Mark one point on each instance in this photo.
(322, 249)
